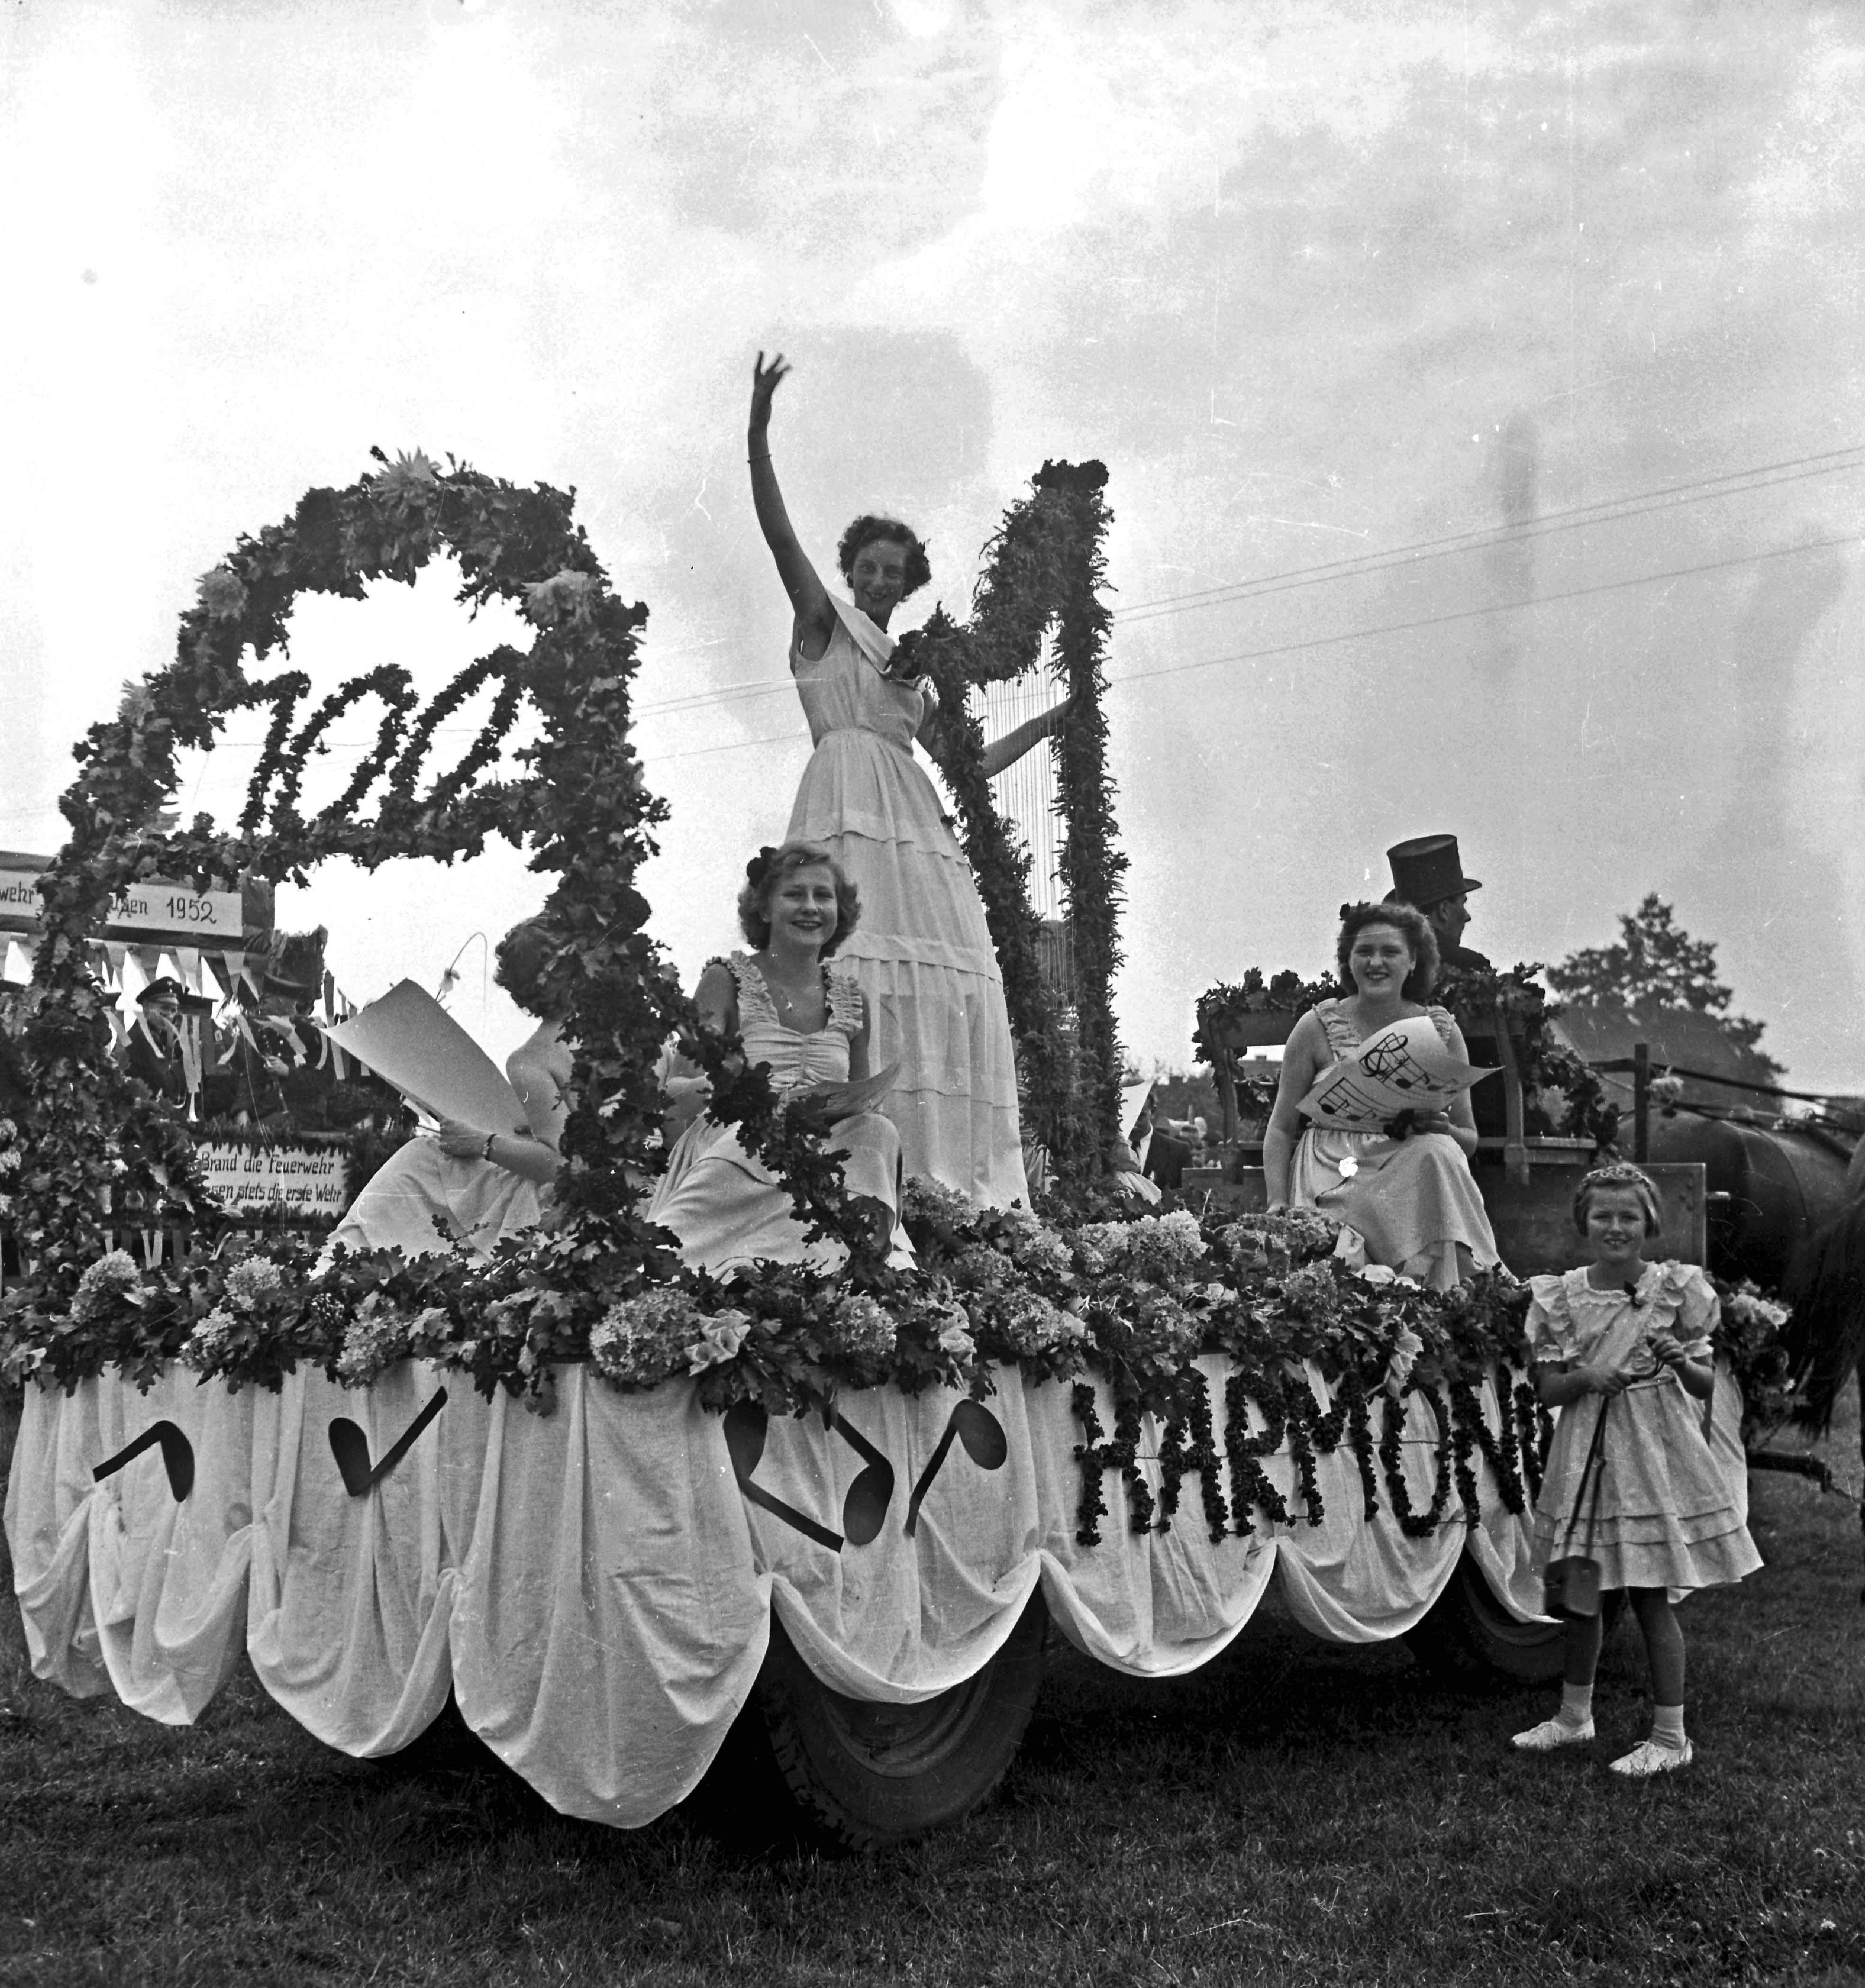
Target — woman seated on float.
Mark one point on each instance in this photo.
(469, 1184)
(1409, 1199)
(806, 1023)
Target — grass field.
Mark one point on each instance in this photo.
(1293, 1813)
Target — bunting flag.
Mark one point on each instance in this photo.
(168, 968)
(120, 1031)
(114, 951)
(18, 967)
(188, 959)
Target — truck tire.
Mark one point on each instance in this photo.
(864, 1776)
(1467, 1638)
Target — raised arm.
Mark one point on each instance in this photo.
(809, 599)
(1007, 751)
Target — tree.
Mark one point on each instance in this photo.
(1656, 966)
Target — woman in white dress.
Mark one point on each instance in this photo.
(1411, 1199)
(923, 956)
(808, 1024)
(473, 1185)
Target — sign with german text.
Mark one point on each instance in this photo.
(303, 1181)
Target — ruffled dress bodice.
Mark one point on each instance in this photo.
(792, 1056)
(725, 1206)
(1672, 1500)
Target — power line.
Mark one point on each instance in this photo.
(1495, 607)
(1367, 634)
(1607, 511)
(1611, 510)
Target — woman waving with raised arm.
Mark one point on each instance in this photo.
(922, 954)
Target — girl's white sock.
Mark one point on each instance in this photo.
(1667, 1726)
(1577, 1707)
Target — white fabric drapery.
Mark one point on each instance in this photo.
(595, 1588)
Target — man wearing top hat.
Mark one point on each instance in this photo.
(1428, 874)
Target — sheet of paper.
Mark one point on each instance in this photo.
(1404, 1067)
(411, 1041)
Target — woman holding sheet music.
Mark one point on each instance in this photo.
(1405, 1194)
(471, 1183)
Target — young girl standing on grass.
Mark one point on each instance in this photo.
(1630, 1340)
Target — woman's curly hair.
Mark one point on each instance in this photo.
(519, 961)
(1419, 937)
(864, 532)
(768, 869)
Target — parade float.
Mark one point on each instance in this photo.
(612, 1506)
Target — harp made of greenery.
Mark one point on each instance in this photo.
(1045, 573)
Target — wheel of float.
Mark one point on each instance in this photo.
(865, 1775)
(1468, 1637)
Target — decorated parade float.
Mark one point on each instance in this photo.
(611, 1506)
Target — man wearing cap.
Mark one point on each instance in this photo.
(154, 1050)
(1428, 874)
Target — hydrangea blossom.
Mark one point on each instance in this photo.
(639, 1341)
(861, 1329)
(1029, 1323)
(105, 1283)
(931, 1203)
(211, 1343)
(254, 1281)
(375, 1339)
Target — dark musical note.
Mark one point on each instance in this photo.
(864, 1504)
(351, 1447)
(746, 1425)
(178, 1457)
(985, 1443)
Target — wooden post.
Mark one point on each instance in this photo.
(1641, 1102)
(1514, 1145)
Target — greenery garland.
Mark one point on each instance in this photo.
(101, 1147)
(1044, 569)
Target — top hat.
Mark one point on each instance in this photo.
(1428, 869)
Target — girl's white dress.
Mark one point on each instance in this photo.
(922, 951)
(1667, 1516)
(727, 1208)
(1411, 1202)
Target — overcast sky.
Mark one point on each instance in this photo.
(1317, 281)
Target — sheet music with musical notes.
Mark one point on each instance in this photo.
(1403, 1067)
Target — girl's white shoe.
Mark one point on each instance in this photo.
(1648, 1758)
(1553, 1732)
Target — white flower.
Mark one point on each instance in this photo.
(1407, 1347)
(570, 593)
(720, 1338)
(222, 592)
(1348, 1166)
(956, 1338)
(406, 477)
(1376, 1274)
